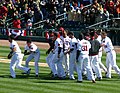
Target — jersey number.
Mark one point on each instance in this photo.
(84, 48)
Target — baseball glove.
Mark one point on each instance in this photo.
(9, 56)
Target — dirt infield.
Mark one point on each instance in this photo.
(2, 60)
(22, 44)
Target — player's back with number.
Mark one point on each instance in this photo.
(84, 46)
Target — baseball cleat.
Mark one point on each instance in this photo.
(93, 81)
(36, 76)
(28, 72)
(72, 78)
(11, 77)
(62, 78)
(99, 78)
(79, 81)
(54, 76)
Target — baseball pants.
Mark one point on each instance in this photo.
(16, 61)
(36, 57)
(95, 65)
(111, 63)
(84, 60)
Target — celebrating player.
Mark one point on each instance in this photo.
(32, 50)
(83, 47)
(99, 38)
(66, 44)
(111, 55)
(72, 51)
(94, 50)
(17, 57)
(57, 58)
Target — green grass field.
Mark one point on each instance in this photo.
(44, 84)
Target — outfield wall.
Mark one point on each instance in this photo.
(24, 38)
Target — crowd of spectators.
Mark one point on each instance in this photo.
(97, 11)
(37, 10)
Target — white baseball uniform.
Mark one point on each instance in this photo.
(84, 46)
(72, 67)
(16, 59)
(55, 61)
(66, 42)
(35, 53)
(100, 55)
(111, 56)
(48, 59)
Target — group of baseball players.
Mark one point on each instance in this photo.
(68, 54)
(16, 57)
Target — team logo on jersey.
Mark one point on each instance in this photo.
(84, 43)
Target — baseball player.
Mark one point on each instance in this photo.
(57, 58)
(99, 38)
(83, 47)
(111, 55)
(51, 42)
(32, 50)
(72, 51)
(17, 57)
(66, 42)
(94, 50)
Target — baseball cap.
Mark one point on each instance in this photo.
(61, 29)
(29, 40)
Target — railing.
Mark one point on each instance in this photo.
(87, 5)
(62, 17)
(58, 17)
(104, 28)
(8, 23)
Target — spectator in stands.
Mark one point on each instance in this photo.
(29, 27)
(86, 2)
(3, 11)
(2, 21)
(28, 15)
(16, 13)
(84, 14)
(52, 15)
(109, 5)
(118, 8)
(43, 7)
(70, 14)
(77, 15)
(99, 18)
(47, 24)
(38, 15)
(95, 4)
(17, 5)
(23, 3)
(30, 3)
(11, 9)
(74, 5)
(54, 24)
(105, 16)
(16, 24)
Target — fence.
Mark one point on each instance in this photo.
(113, 29)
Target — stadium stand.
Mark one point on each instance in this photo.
(74, 15)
